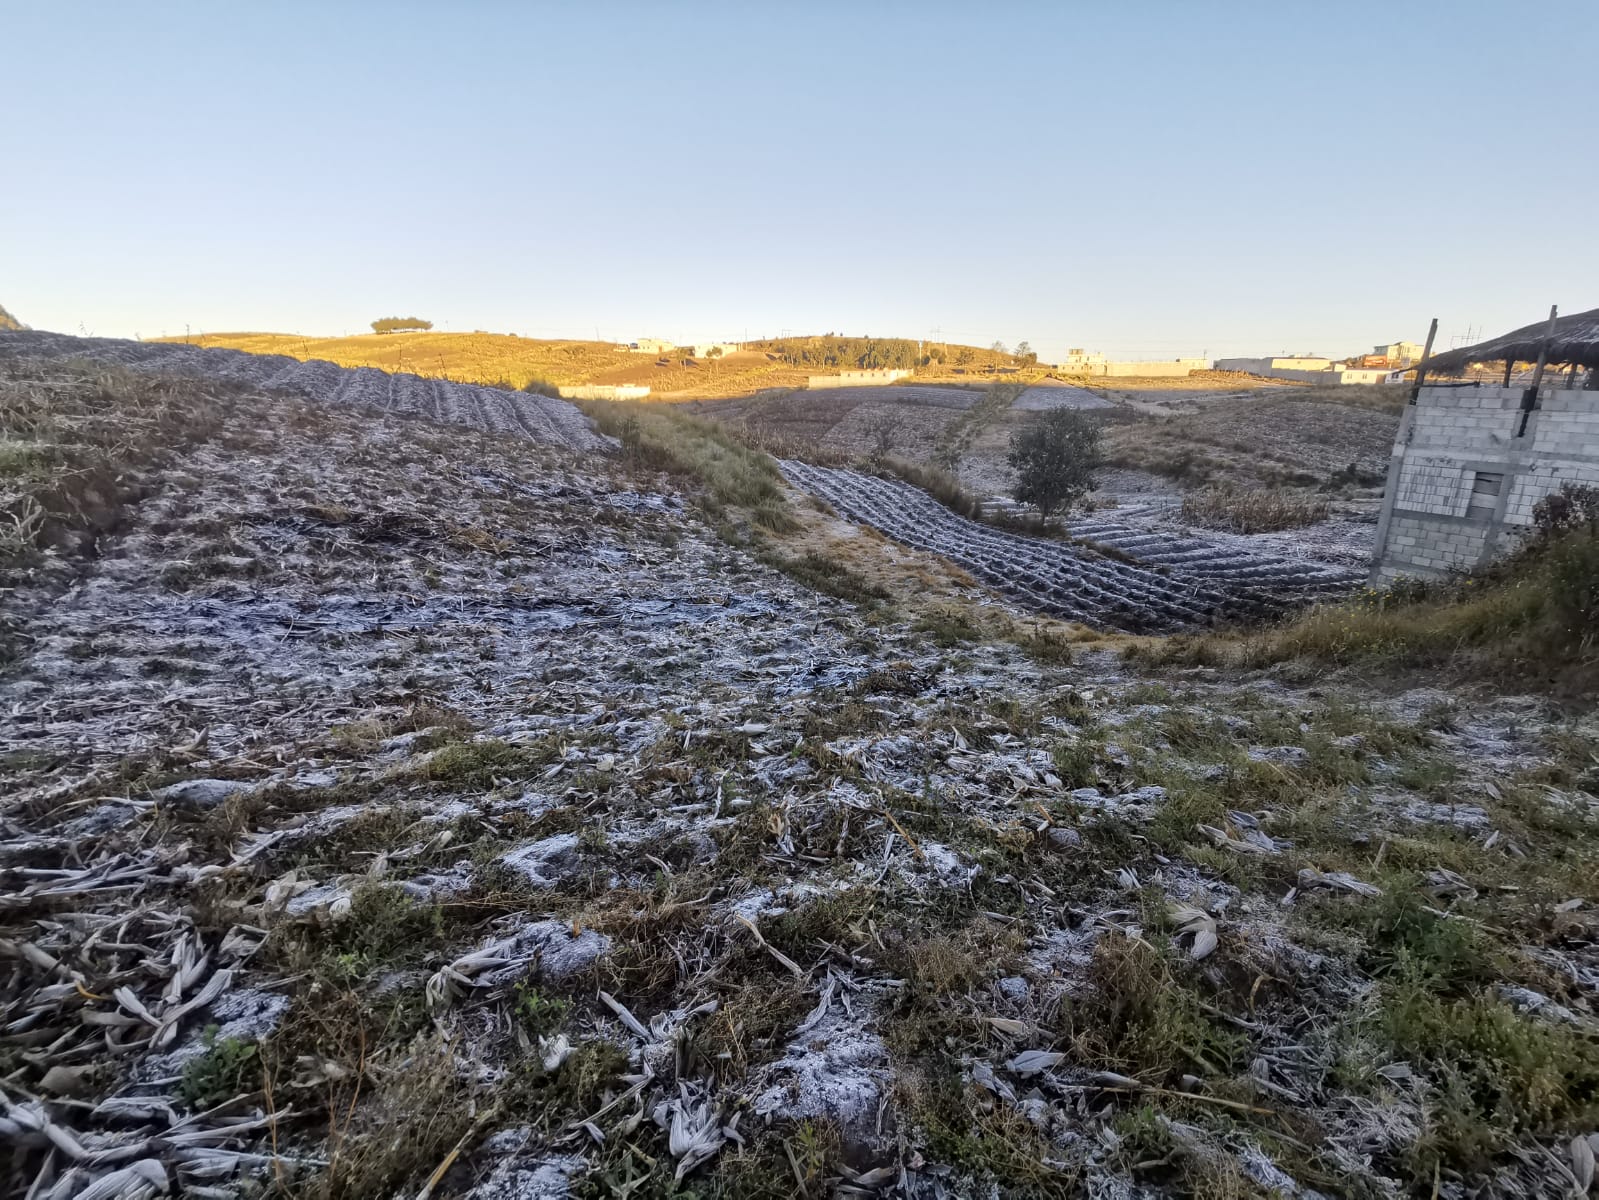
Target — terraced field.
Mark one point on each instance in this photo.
(553, 422)
(1178, 581)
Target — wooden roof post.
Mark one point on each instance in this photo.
(1421, 367)
(1543, 355)
(1529, 400)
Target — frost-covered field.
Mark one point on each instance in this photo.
(539, 418)
(391, 808)
(1153, 580)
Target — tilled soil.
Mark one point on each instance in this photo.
(539, 418)
(1177, 581)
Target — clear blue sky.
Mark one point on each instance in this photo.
(1149, 179)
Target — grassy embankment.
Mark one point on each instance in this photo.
(1533, 618)
(744, 493)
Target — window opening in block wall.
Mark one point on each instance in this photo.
(1485, 489)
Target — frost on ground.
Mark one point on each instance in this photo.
(540, 418)
(1148, 579)
(394, 809)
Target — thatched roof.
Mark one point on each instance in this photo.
(1576, 340)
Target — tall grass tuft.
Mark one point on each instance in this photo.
(1533, 617)
(1252, 510)
(659, 438)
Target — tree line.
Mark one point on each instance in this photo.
(400, 324)
(846, 353)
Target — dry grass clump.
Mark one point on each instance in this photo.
(1379, 397)
(657, 438)
(1534, 616)
(1253, 510)
(76, 443)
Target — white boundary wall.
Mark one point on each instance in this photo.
(866, 377)
(604, 391)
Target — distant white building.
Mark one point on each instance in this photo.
(1399, 354)
(1267, 366)
(1080, 362)
(1309, 368)
(704, 349)
(650, 346)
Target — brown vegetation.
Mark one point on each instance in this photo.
(1252, 510)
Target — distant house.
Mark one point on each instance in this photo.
(1396, 356)
(1270, 365)
(704, 349)
(1080, 362)
(1400, 354)
(650, 346)
(1473, 456)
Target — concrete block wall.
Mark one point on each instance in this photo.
(863, 378)
(1430, 546)
(1449, 437)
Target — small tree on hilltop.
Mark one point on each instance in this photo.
(1054, 459)
(400, 324)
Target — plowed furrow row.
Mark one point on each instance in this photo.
(537, 417)
(1196, 584)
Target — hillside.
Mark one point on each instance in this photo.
(395, 807)
(500, 358)
(7, 321)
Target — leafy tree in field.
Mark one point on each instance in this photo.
(882, 432)
(1054, 459)
(400, 324)
(999, 348)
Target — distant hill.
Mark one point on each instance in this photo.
(7, 321)
(504, 358)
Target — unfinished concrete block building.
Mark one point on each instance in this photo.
(1491, 429)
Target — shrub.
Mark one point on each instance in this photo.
(227, 1069)
(1573, 566)
(1573, 506)
(1054, 459)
